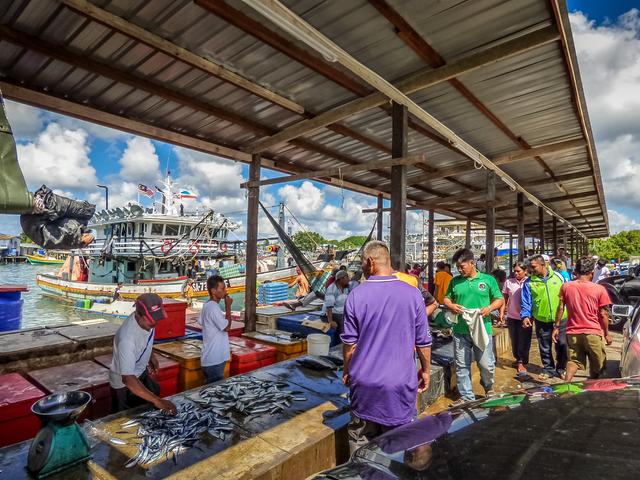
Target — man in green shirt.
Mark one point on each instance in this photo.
(473, 294)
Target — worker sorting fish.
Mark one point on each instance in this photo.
(162, 436)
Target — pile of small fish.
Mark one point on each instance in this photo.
(248, 396)
(166, 436)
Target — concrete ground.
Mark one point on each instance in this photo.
(505, 375)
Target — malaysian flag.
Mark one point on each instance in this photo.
(143, 189)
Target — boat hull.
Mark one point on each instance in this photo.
(38, 260)
(73, 290)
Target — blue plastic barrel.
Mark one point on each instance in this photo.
(10, 311)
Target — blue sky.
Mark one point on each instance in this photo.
(73, 156)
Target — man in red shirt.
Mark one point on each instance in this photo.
(588, 320)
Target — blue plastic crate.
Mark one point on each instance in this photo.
(293, 323)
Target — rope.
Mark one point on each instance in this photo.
(301, 226)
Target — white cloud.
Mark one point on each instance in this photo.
(619, 221)
(609, 59)
(59, 158)
(140, 163)
(26, 122)
(304, 201)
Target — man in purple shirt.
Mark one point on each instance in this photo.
(384, 319)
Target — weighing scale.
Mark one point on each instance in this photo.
(60, 443)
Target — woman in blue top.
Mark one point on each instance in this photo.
(560, 267)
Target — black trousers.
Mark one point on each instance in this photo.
(520, 340)
(123, 399)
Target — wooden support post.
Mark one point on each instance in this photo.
(572, 255)
(399, 144)
(541, 229)
(510, 253)
(430, 254)
(467, 234)
(380, 217)
(520, 218)
(251, 275)
(491, 220)
(564, 238)
(554, 235)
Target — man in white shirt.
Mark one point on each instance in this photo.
(133, 357)
(215, 327)
(335, 298)
(601, 271)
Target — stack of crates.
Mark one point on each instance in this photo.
(247, 355)
(271, 292)
(17, 421)
(282, 342)
(228, 271)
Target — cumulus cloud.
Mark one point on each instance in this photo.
(139, 161)
(609, 59)
(26, 122)
(59, 158)
(619, 221)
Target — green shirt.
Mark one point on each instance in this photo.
(477, 292)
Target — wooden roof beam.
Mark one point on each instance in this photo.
(507, 158)
(361, 167)
(412, 84)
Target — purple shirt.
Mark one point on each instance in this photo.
(513, 287)
(386, 318)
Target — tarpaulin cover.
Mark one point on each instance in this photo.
(14, 196)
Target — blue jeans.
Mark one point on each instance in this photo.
(465, 353)
(214, 373)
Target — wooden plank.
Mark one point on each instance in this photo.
(328, 172)
(398, 220)
(380, 217)
(89, 10)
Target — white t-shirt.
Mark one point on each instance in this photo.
(132, 348)
(335, 298)
(215, 349)
(600, 273)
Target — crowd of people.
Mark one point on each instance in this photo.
(382, 318)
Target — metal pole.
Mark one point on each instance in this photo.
(467, 234)
(491, 220)
(280, 255)
(380, 216)
(399, 142)
(252, 247)
(106, 196)
(430, 274)
(521, 240)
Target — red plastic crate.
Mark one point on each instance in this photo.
(167, 376)
(85, 375)
(17, 422)
(244, 368)
(174, 325)
(237, 329)
(260, 351)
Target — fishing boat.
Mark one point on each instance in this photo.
(156, 250)
(44, 260)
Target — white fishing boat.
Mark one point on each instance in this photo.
(155, 250)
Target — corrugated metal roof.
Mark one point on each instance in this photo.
(531, 93)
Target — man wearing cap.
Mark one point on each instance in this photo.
(133, 357)
(335, 298)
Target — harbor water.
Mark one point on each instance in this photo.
(38, 309)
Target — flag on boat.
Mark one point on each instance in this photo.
(187, 194)
(143, 189)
